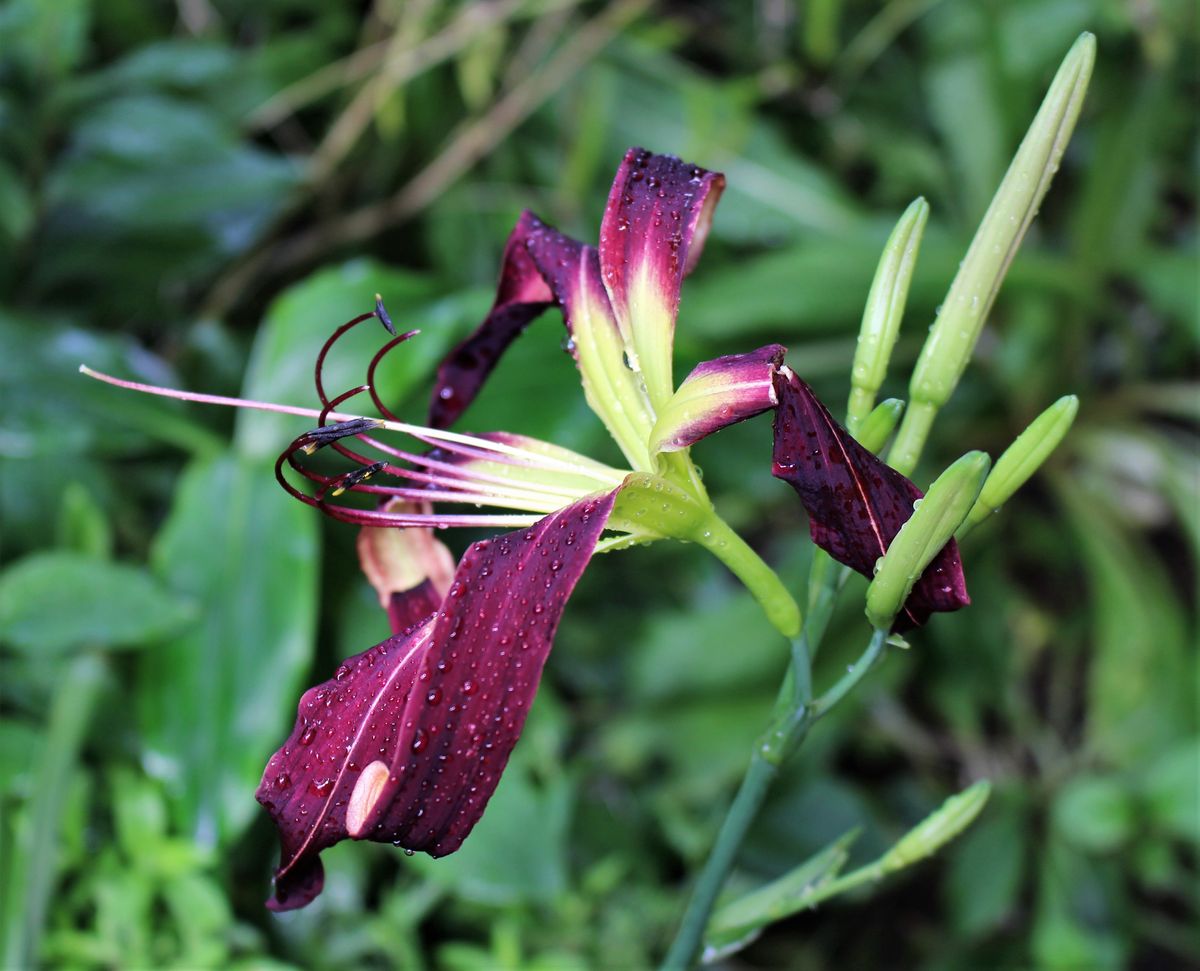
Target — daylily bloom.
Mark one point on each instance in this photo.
(406, 743)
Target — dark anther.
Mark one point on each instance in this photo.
(319, 437)
(351, 479)
(382, 314)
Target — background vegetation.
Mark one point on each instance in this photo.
(195, 193)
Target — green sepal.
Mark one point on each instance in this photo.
(653, 504)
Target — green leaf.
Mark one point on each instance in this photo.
(1095, 813)
(46, 39)
(1170, 787)
(27, 873)
(82, 524)
(1134, 709)
(987, 868)
(1075, 924)
(224, 693)
(54, 602)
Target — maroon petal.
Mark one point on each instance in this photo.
(521, 295)
(409, 569)
(407, 742)
(654, 228)
(856, 504)
(716, 394)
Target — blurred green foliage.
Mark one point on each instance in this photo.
(196, 193)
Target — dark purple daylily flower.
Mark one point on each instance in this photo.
(407, 741)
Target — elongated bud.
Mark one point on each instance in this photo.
(879, 424)
(1021, 459)
(922, 537)
(952, 339)
(938, 828)
(884, 309)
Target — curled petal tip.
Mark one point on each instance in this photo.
(716, 394)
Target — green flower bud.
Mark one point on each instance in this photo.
(885, 307)
(1021, 459)
(952, 339)
(930, 527)
(880, 423)
(937, 829)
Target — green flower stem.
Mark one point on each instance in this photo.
(823, 705)
(794, 715)
(715, 535)
(910, 439)
(826, 578)
(755, 785)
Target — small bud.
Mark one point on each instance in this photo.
(1021, 459)
(382, 314)
(884, 309)
(938, 828)
(922, 537)
(873, 433)
(952, 339)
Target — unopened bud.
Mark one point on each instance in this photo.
(884, 309)
(1021, 459)
(952, 339)
(938, 828)
(922, 537)
(873, 433)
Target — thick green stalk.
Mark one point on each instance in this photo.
(754, 788)
(777, 603)
(795, 713)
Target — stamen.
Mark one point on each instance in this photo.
(319, 365)
(450, 441)
(324, 435)
(379, 356)
(442, 478)
(352, 479)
